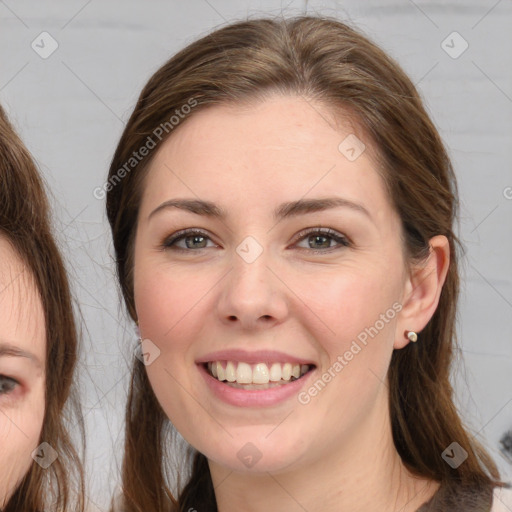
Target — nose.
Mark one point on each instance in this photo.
(253, 295)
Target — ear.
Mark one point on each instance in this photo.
(422, 290)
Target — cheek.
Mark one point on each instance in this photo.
(163, 301)
(20, 429)
(354, 326)
(353, 303)
(356, 310)
(167, 310)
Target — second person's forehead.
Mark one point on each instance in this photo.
(284, 133)
(280, 142)
(281, 126)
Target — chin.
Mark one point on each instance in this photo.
(256, 451)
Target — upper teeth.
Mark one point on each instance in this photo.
(260, 373)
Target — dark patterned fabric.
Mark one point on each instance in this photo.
(456, 499)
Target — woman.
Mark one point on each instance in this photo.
(282, 211)
(39, 468)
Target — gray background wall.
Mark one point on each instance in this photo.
(70, 109)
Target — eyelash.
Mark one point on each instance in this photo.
(12, 384)
(169, 242)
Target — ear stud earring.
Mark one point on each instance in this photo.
(412, 336)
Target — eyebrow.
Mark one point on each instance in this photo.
(285, 210)
(9, 350)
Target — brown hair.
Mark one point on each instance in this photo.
(25, 222)
(323, 60)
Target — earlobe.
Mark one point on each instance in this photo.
(423, 289)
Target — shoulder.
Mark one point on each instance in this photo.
(502, 500)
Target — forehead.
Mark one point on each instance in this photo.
(280, 148)
(22, 320)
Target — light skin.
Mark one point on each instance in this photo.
(336, 452)
(22, 369)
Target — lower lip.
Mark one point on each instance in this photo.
(253, 397)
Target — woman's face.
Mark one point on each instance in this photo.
(265, 283)
(22, 369)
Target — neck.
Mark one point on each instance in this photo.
(364, 474)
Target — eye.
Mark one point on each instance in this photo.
(196, 240)
(7, 385)
(319, 240)
(192, 238)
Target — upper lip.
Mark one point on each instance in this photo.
(257, 356)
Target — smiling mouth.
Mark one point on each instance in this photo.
(256, 376)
